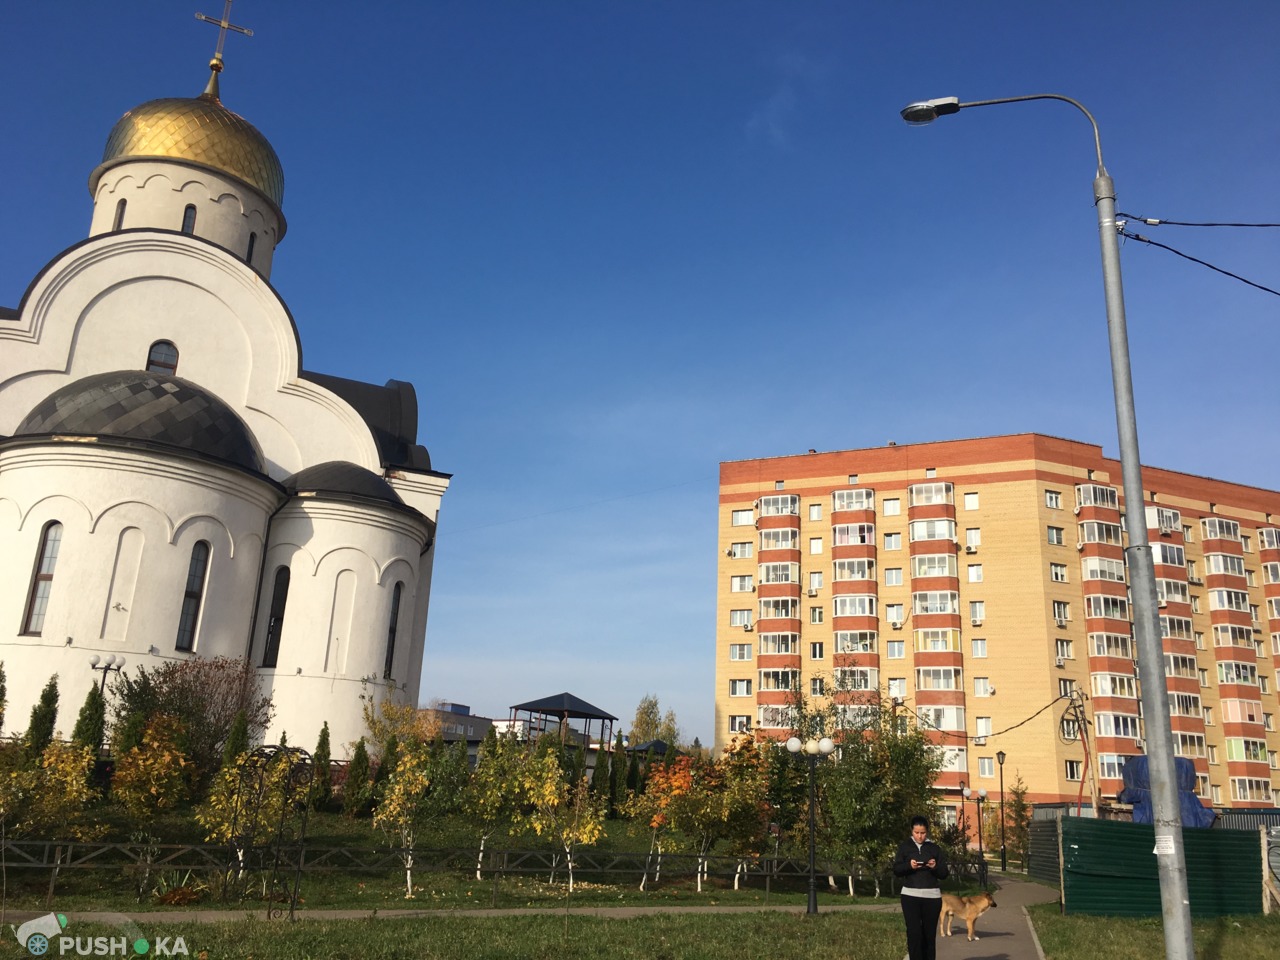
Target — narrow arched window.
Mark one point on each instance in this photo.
(162, 357)
(253, 242)
(119, 221)
(192, 596)
(189, 219)
(275, 622)
(42, 579)
(391, 631)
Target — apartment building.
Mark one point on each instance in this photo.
(975, 582)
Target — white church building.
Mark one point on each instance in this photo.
(173, 483)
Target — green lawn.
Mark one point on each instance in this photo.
(1080, 937)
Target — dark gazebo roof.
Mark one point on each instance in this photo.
(564, 705)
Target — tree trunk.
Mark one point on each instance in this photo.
(480, 855)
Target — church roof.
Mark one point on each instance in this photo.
(342, 478)
(196, 130)
(390, 412)
(152, 407)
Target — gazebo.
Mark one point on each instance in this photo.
(562, 708)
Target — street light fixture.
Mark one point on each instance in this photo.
(1004, 857)
(112, 664)
(813, 749)
(1170, 859)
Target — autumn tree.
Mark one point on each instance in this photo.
(425, 786)
(152, 776)
(90, 726)
(743, 802)
(495, 793)
(44, 716)
(266, 775)
(651, 724)
(569, 817)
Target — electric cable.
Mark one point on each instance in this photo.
(1141, 239)
(1153, 222)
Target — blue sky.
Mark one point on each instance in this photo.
(614, 243)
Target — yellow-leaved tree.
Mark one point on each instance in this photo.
(50, 798)
(495, 794)
(571, 816)
(153, 775)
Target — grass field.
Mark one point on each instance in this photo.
(1078, 937)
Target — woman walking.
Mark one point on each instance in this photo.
(921, 866)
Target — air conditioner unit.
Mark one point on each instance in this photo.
(813, 592)
(979, 741)
(1162, 604)
(1080, 546)
(729, 552)
(1195, 580)
(970, 549)
(896, 624)
(976, 621)
(1059, 662)
(1061, 621)
(746, 627)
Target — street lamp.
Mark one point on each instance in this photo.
(111, 665)
(1170, 859)
(813, 749)
(1004, 857)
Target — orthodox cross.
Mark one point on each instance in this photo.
(223, 25)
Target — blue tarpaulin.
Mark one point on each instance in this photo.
(1137, 791)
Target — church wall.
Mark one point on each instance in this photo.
(344, 561)
(130, 520)
(157, 193)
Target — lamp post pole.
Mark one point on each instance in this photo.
(813, 750)
(112, 664)
(1170, 859)
(1004, 857)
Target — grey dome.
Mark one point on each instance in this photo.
(151, 407)
(342, 478)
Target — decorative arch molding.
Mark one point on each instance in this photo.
(390, 572)
(285, 552)
(9, 509)
(211, 524)
(41, 516)
(340, 552)
(145, 508)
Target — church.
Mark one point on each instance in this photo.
(173, 482)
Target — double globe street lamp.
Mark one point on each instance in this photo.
(1170, 858)
(813, 749)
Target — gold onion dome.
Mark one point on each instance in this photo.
(198, 130)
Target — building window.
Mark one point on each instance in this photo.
(977, 609)
(892, 507)
(1073, 770)
(192, 596)
(162, 358)
(1062, 649)
(973, 537)
(1053, 499)
(982, 726)
(739, 651)
(1066, 688)
(979, 647)
(816, 650)
(897, 687)
(1061, 610)
(971, 501)
(393, 623)
(893, 576)
(189, 219)
(986, 766)
(817, 687)
(975, 573)
(815, 546)
(895, 649)
(118, 223)
(982, 687)
(893, 612)
(815, 614)
(739, 618)
(743, 583)
(893, 541)
(930, 473)
(779, 485)
(740, 551)
(815, 511)
(853, 479)
(275, 621)
(739, 688)
(1056, 535)
(253, 242)
(815, 580)
(1207, 714)
(739, 723)
(42, 579)
(742, 518)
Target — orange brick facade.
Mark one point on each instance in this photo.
(976, 581)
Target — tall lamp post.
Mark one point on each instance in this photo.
(1170, 859)
(813, 749)
(112, 664)
(1004, 857)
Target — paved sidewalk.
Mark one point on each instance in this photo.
(1004, 932)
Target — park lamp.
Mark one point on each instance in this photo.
(812, 747)
(813, 750)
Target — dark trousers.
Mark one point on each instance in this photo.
(921, 915)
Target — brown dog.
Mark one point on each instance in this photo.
(968, 909)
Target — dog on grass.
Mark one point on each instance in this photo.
(968, 909)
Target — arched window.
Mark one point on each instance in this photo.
(391, 631)
(189, 219)
(253, 242)
(162, 357)
(275, 622)
(192, 596)
(42, 579)
(119, 221)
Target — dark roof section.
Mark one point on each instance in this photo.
(151, 407)
(342, 478)
(391, 413)
(565, 705)
(8, 313)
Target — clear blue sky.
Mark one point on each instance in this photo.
(614, 243)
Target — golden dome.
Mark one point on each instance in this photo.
(198, 130)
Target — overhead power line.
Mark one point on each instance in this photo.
(1153, 222)
(1186, 256)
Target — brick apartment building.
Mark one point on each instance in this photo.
(975, 581)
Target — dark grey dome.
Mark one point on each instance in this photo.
(343, 478)
(152, 407)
